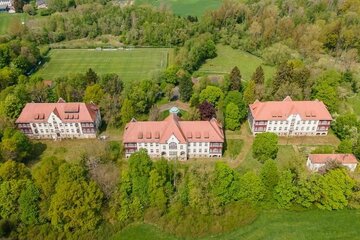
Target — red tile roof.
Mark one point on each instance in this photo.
(67, 112)
(184, 131)
(340, 158)
(281, 110)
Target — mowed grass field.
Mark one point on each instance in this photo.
(6, 19)
(228, 57)
(130, 65)
(184, 7)
(272, 225)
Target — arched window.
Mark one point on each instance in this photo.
(172, 145)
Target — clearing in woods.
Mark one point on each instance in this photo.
(130, 64)
(184, 7)
(227, 58)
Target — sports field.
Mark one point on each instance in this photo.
(131, 64)
(184, 7)
(227, 58)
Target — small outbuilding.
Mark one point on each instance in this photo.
(317, 161)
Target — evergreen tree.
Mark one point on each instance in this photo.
(258, 76)
(185, 87)
(91, 77)
(235, 79)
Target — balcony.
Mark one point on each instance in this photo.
(215, 145)
(322, 129)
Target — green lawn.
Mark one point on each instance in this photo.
(6, 19)
(185, 7)
(273, 225)
(134, 64)
(228, 58)
(233, 147)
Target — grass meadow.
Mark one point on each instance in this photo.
(184, 7)
(130, 65)
(275, 224)
(6, 19)
(228, 57)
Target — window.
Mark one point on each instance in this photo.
(172, 145)
(181, 147)
(205, 144)
(274, 128)
(200, 150)
(199, 144)
(205, 150)
(164, 147)
(298, 122)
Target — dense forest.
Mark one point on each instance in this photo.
(315, 48)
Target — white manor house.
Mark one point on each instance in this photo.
(59, 120)
(289, 118)
(173, 138)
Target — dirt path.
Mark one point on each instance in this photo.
(248, 139)
(178, 104)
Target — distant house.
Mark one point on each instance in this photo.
(6, 2)
(317, 161)
(289, 118)
(4, 8)
(41, 4)
(59, 120)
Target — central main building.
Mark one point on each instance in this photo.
(173, 138)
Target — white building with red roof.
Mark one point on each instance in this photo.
(317, 161)
(289, 118)
(59, 120)
(173, 138)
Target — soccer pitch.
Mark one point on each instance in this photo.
(129, 64)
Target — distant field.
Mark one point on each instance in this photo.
(228, 58)
(6, 19)
(185, 7)
(279, 225)
(135, 64)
